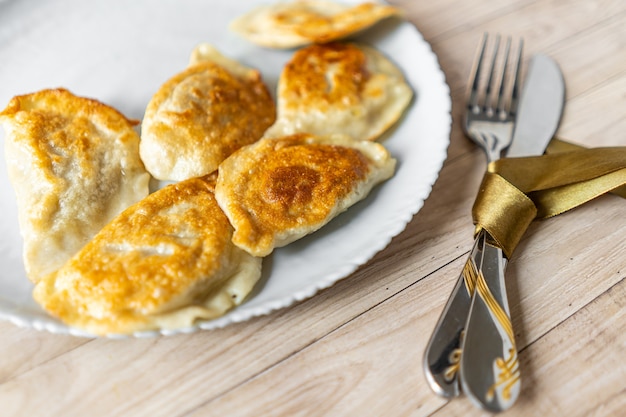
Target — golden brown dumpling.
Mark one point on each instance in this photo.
(203, 114)
(303, 22)
(74, 164)
(340, 88)
(165, 262)
(280, 189)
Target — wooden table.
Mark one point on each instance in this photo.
(356, 349)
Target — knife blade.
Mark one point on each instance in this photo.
(489, 369)
(540, 110)
(536, 126)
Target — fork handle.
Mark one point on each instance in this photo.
(442, 356)
(489, 371)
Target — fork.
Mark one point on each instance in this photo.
(489, 121)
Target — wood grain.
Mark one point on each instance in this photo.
(357, 347)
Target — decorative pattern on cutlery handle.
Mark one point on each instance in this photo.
(489, 341)
(443, 352)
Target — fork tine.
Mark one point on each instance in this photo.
(502, 88)
(491, 79)
(472, 101)
(516, 79)
(493, 94)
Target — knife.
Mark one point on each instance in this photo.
(489, 366)
(539, 113)
(540, 110)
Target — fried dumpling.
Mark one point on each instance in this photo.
(278, 190)
(298, 23)
(340, 88)
(163, 263)
(74, 164)
(203, 114)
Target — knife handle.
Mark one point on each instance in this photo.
(442, 356)
(489, 371)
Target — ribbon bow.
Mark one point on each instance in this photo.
(516, 191)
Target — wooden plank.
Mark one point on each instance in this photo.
(591, 57)
(446, 18)
(24, 349)
(610, 408)
(547, 26)
(597, 117)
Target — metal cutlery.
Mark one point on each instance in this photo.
(489, 370)
(473, 342)
(489, 121)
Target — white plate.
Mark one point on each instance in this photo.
(120, 52)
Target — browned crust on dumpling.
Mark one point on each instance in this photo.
(56, 119)
(278, 190)
(340, 88)
(74, 163)
(155, 265)
(300, 23)
(324, 76)
(199, 117)
(322, 29)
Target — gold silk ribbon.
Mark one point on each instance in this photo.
(558, 146)
(516, 191)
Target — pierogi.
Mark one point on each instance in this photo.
(340, 88)
(298, 23)
(278, 190)
(203, 114)
(163, 263)
(74, 164)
